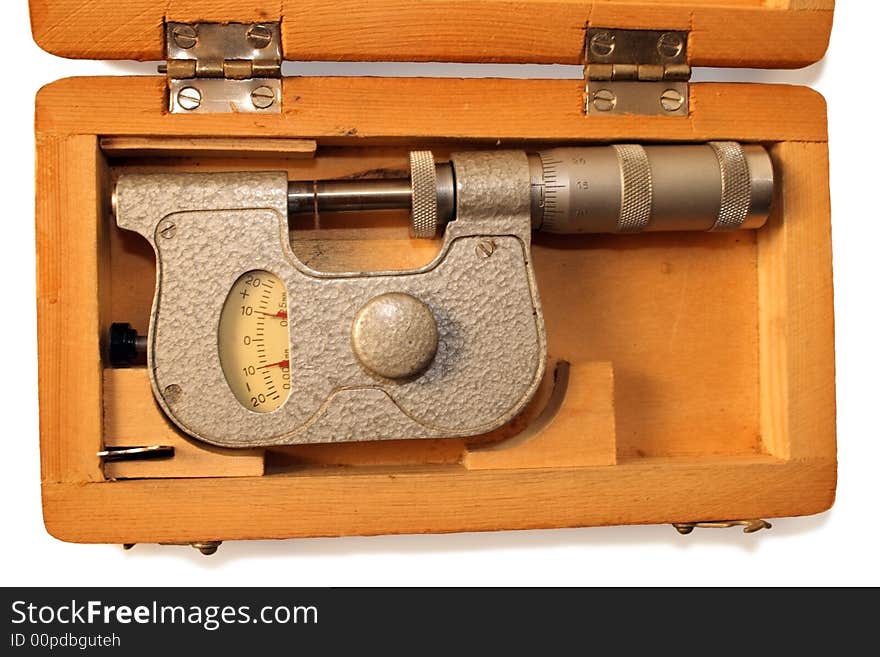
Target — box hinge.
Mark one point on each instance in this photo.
(636, 72)
(223, 68)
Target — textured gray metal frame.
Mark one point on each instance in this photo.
(208, 229)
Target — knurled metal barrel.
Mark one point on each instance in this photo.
(623, 188)
(629, 188)
(423, 174)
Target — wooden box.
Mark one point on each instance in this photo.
(697, 369)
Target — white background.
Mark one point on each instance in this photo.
(839, 547)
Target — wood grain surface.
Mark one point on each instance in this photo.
(421, 500)
(354, 110)
(758, 33)
(721, 346)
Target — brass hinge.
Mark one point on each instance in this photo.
(636, 72)
(223, 67)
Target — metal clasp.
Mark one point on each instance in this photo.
(205, 547)
(749, 526)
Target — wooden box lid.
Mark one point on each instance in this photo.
(735, 33)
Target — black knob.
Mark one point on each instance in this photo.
(123, 344)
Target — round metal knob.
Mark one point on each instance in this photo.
(394, 336)
(423, 174)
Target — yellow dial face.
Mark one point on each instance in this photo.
(254, 342)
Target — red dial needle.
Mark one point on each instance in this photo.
(280, 363)
(281, 314)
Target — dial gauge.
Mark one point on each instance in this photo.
(254, 342)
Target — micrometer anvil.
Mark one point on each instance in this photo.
(455, 348)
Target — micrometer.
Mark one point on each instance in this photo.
(248, 346)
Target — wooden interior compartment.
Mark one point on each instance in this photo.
(721, 345)
(676, 314)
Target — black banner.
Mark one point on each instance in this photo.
(324, 621)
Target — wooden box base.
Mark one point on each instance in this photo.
(692, 378)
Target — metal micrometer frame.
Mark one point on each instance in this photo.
(462, 346)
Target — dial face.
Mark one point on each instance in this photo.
(254, 342)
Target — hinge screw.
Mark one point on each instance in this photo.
(263, 97)
(670, 45)
(671, 100)
(602, 44)
(189, 98)
(259, 36)
(185, 36)
(604, 100)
